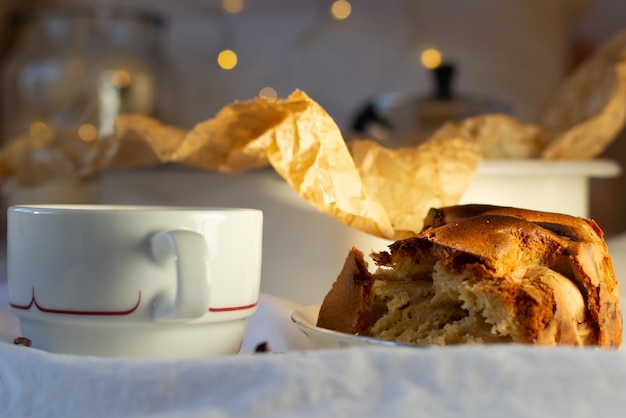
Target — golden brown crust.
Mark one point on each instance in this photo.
(343, 306)
(538, 277)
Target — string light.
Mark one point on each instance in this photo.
(227, 59)
(87, 132)
(431, 58)
(341, 9)
(268, 92)
(232, 6)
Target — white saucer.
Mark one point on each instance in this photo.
(306, 318)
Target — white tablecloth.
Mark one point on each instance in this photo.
(469, 381)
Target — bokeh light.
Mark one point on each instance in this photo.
(232, 6)
(341, 9)
(37, 128)
(121, 79)
(227, 59)
(431, 58)
(268, 92)
(87, 132)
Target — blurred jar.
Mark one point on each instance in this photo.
(78, 67)
(68, 72)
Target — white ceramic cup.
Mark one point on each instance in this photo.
(147, 281)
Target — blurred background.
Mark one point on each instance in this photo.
(181, 61)
(344, 53)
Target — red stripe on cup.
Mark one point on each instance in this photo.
(233, 308)
(33, 301)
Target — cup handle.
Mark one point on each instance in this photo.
(190, 252)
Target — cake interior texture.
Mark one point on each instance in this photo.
(435, 306)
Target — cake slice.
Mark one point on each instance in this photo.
(483, 274)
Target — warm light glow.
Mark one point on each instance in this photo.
(232, 6)
(37, 128)
(87, 132)
(341, 9)
(227, 59)
(268, 92)
(431, 58)
(121, 79)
